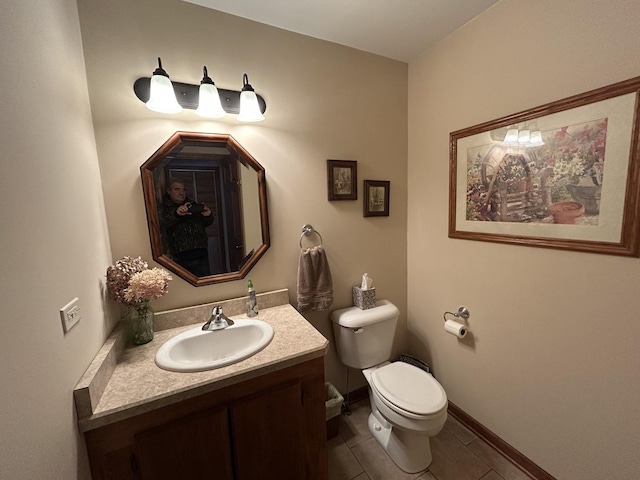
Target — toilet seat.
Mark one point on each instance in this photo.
(409, 390)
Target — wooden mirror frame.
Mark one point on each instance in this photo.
(151, 191)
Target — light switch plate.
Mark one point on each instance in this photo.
(70, 315)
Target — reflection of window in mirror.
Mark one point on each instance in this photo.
(226, 230)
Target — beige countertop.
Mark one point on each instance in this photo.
(123, 382)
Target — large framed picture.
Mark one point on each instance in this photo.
(342, 179)
(376, 198)
(563, 175)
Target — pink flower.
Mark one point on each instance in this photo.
(130, 281)
(147, 285)
(562, 132)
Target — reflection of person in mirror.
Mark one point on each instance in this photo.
(183, 223)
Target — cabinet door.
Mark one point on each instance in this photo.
(196, 447)
(118, 465)
(267, 432)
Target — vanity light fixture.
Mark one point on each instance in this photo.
(524, 137)
(511, 137)
(249, 108)
(162, 97)
(209, 99)
(535, 140)
(201, 98)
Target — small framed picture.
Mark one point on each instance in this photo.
(342, 179)
(376, 198)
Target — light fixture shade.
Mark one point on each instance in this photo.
(523, 137)
(511, 136)
(209, 104)
(535, 140)
(162, 97)
(249, 106)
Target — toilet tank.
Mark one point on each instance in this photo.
(364, 338)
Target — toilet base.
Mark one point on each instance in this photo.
(410, 451)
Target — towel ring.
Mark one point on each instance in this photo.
(308, 230)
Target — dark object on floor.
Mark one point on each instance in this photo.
(416, 362)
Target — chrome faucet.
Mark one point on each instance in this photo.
(218, 320)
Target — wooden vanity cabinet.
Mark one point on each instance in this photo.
(269, 427)
(193, 447)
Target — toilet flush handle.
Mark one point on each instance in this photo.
(357, 330)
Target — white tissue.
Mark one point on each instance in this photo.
(455, 328)
(366, 283)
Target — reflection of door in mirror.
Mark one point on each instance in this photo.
(227, 186)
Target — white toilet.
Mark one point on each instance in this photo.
(408, 405)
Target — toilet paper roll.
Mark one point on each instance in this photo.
(455, 328)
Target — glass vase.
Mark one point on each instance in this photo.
(139, 319)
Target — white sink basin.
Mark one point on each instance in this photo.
(196, 350)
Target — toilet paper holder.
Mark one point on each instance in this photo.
(463, 312)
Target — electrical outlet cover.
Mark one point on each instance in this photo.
(70, 315)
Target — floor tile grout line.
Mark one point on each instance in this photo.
(355, 457)
(492, 470)
(466, 446)
(498, 452)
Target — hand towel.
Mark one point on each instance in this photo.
(315, 288)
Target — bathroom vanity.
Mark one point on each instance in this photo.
(263, 417)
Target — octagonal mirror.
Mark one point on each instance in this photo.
(206, 201)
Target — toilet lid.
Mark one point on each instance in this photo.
(410, 388)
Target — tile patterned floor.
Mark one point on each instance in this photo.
(457, 454)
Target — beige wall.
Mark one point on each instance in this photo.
(323, 102)
(55, 245)
(544, 367)
(552, 362)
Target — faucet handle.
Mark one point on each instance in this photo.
(218, 316)
(218, 320)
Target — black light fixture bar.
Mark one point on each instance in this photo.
(188, 94)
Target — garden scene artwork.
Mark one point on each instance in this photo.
(557, 179)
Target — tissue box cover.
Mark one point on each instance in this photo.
(364, 299)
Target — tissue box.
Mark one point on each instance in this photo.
(364, 299)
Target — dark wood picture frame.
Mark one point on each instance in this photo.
(376, 198)
(342, 180)
(509, 191)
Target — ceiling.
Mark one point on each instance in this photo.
(398, 29)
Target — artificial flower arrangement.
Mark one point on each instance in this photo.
(133, 284)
